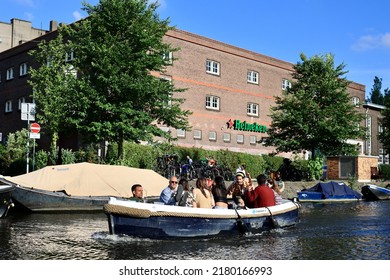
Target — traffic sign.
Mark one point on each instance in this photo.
(35, 128)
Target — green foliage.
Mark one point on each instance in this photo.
(384, 136)
(376, 95)
(67, 156)
(41, 159)
(109, 91)
(384, 169)
(272, 163)
(314, 168)
(5, 160)
(316, 112)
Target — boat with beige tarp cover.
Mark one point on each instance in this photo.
(80, 186)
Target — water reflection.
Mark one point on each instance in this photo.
(358, 230)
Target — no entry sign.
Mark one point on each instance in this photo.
(35, 128)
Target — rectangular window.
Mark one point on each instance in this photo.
(180, 133)
(23, 69)
(240, 139)
(212, 102)
(355, 101)
(286, 84)
(69, 56)
(212, 136)
(8, 106)
(197, 134)
(168, 58)
(20, 101)
(212, 67)
(252, 140)
(226, 137)
(253, 77)
(252, 109)
(10, 74)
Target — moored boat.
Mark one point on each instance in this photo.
(5, 199)
(373, 192)
(158, 221)
(329, 192)
(80, 186)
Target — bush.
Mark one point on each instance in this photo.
(384, 169)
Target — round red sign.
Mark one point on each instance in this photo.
(35, 128)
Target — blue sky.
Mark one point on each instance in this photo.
(356, 32)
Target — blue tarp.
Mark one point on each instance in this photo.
(332, 189)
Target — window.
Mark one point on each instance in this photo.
(168, 101)
(23, 69)
(240, 139)
(253, 77)
(356, 101)
(180, 133)
(10, 73)
(212, 67)
(212, 102)
(8, 106)
(212, 136)
(197, 134)
(226, 137)
(168, 57)
(20, 101)
(286, 84)
(252, 140)
(252, 109)
(69, 56)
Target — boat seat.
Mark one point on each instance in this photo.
(375, 174)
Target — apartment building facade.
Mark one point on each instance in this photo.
(229, 90)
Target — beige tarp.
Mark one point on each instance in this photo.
(88, 179)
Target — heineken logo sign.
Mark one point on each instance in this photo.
(244, 126)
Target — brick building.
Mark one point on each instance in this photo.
(229, 90)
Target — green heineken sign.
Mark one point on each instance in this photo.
(244, 126)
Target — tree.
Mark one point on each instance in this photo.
(384, 135)
(316, 112)
(376, 95)
(100, 75)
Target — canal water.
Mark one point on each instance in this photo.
(337, 231)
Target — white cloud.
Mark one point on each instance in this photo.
(368, 42)
(77, 15)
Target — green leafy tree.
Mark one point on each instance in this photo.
(376, 95)
(100, 76)
(316, 112)
(384, 136)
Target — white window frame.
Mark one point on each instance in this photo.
(10, 73)
(356, 101)
(69, 56)
(212, 135)
(23, 69)
(286, 84)
(197, 134)
(252, 139)
(180, 133)
(8, 106)
(253, 77)
(213, 67)
(227, 137)
(168, 58)
(240, 138)
(169, 80)
(252, 109)
(20, 101)
(212, 102)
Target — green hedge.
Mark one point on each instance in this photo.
(384, 169)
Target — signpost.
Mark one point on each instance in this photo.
(28, 114)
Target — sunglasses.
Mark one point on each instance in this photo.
(174, 182)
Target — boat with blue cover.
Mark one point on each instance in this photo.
(158, 221)
(329, 192)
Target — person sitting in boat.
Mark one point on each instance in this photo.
(275, 187)
(187, 197)
(138, 193)
(262, 195)
(237, 189)
(219, 192)
(172, 193)
(203, 197)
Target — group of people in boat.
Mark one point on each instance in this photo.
(207, 193)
